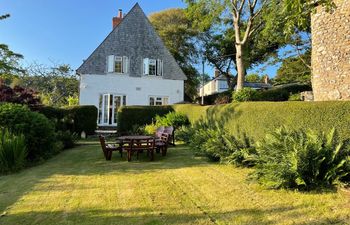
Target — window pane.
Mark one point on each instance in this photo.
(117, 104)
(100, 109)
(151, 101)
(124, 100)
(165, 101)
(118, 65)
(152, 67)
(105, 109)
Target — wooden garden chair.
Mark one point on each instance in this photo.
(109, 148)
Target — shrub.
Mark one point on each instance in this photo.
(244, 95)
(36, 128)
(67, 138)
(273, 95)
(54, 114)
(184, 134)
(12, 152)
(150, 129)
(82, 118)
(301, 159)
(141, 115)
(174, 119)
(211, 139)
(294, 97)
(222, 99)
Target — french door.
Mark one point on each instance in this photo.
(108, 108)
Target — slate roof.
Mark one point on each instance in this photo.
(136, 38)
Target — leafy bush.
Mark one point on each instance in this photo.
(244, 95)
(273, 95)
(150, 129)
(174, 119)
(82, 118)
(67, 138)
(141, 115)
(294, 97)
(12, 152)
(301, 159)
(36, 128)
(184, 134)
(54, 114)
(211, 139)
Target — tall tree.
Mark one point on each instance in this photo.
(295, 70)
(9, 60)
(244, 17)
(56, 84)
(176, 31)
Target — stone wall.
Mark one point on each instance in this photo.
(331, 52)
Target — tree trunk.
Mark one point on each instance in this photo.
(240, 67)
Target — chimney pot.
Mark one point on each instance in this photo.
(118, 19)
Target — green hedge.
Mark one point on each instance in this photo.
(254, 118)
(74, 118)
(82, 118)
(257, 118)
(39, 132)
(130, 116)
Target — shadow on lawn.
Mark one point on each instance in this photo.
(149, 216)
(88, 160)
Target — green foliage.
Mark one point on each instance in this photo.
(12, 151)
(176, 31)
(273, 95)
(150, 129)
(295, 69)
(67, 138)
(82, 118)
(301, 159)
(253, 77)
(140, 115)
(174, 119)
(184, 134)
(244, 95)
(210, 138)
(57, 84)
(36, 128)
(257, 118)
(294, 97)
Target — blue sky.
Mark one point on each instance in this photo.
(66, 31)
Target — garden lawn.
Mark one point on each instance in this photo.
(80, 187)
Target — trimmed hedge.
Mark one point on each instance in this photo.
(73, 118)
(82, 118)
(253, 118)
(258, 118)
(129, 116)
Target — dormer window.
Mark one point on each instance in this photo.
(117, 64)
(153, 67)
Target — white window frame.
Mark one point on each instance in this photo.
(164, 100)
(157, 63)
(102, 121)
(112, 60)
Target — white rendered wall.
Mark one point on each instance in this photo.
(137, 89)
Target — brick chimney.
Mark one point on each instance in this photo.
(118, 19)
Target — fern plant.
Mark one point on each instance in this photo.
(302, 159)
(12, 152)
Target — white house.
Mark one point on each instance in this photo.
(131, 66)
(217, 85)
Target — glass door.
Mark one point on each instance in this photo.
(109, 105)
